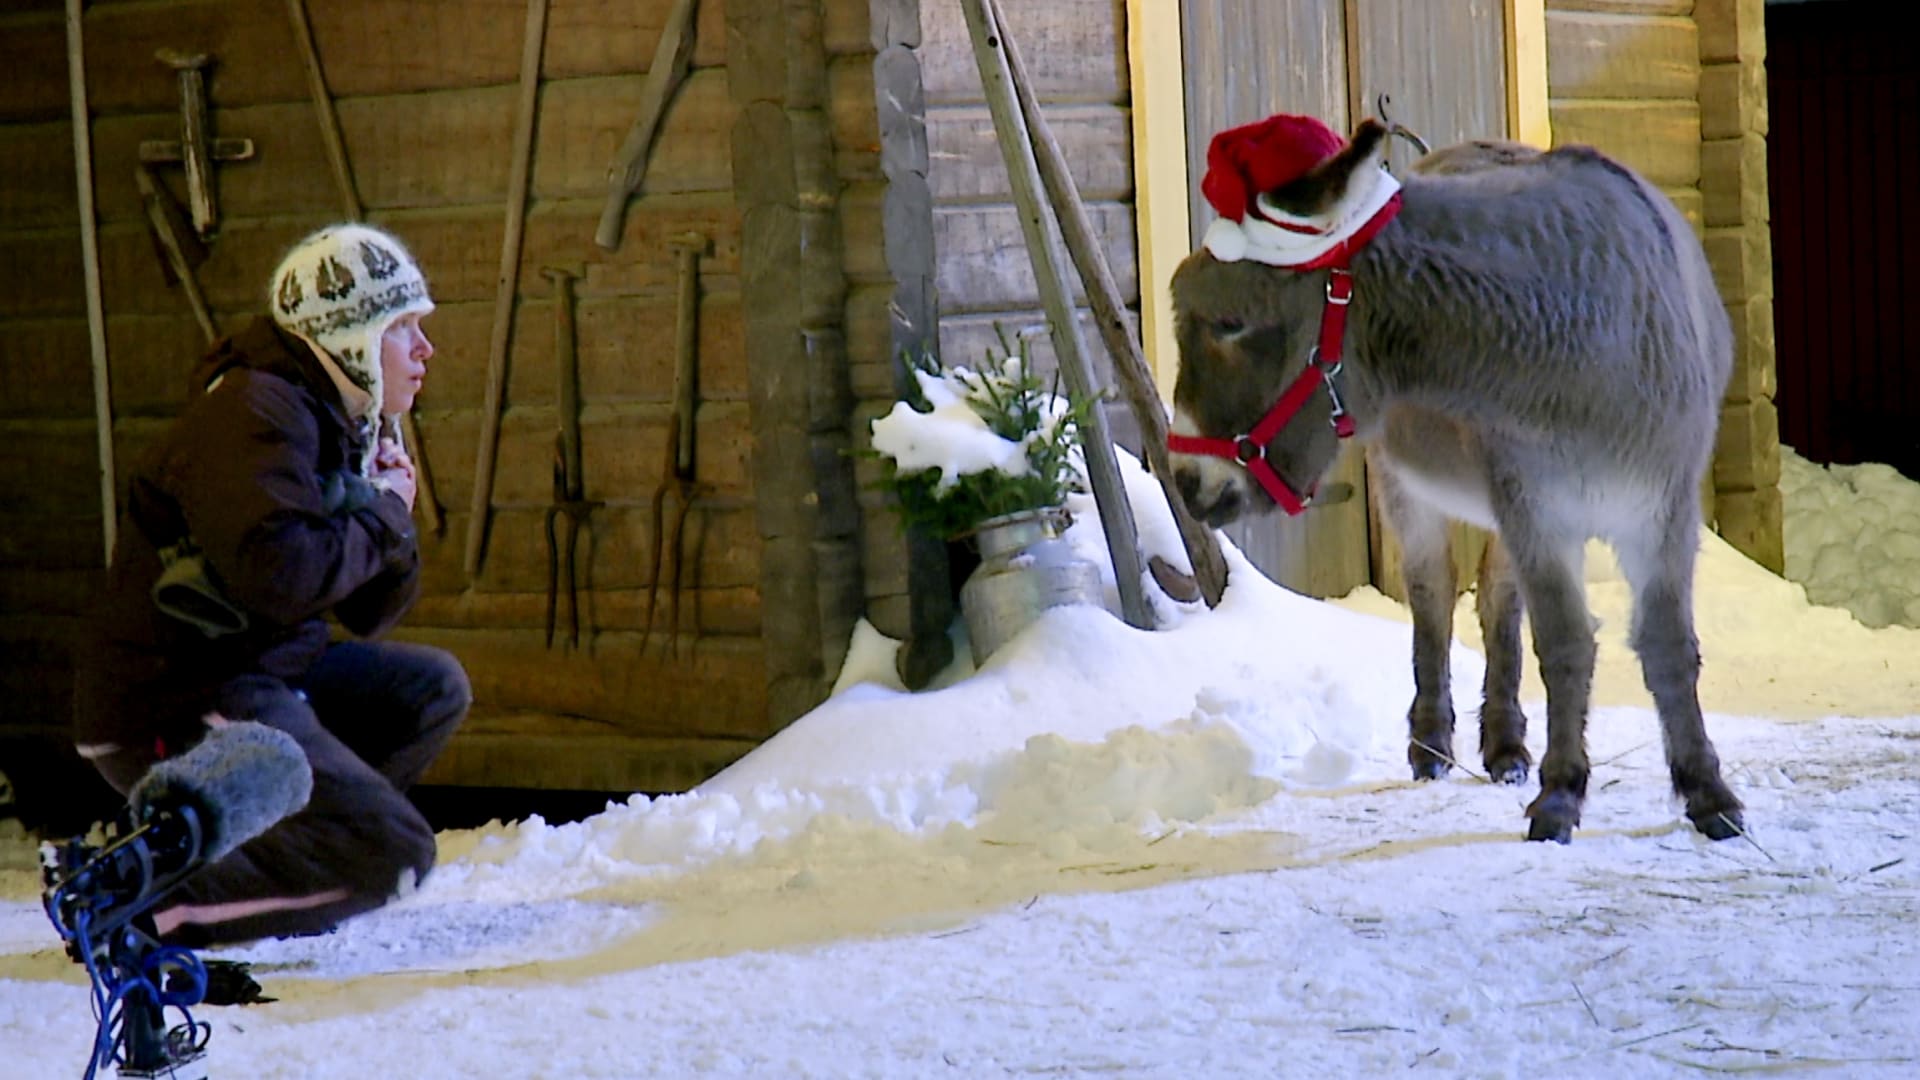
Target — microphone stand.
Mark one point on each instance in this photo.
(143, 1032)
(101, 900)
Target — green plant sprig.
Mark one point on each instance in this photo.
(1014, 404)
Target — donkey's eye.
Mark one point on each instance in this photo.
(1228, 327)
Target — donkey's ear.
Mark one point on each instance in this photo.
(1323, 192)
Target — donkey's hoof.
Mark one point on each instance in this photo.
(1509, 766)
(1558, 831)
(1721, 824)
(1431, 758)
(1553, 815)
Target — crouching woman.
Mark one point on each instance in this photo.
(282, 494)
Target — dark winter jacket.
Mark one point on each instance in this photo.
(252, 473)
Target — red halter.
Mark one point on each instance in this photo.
(1249, 450)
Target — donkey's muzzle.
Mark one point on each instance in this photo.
(1219, 507)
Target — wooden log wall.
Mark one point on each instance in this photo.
(1676, 89)
(955, 270)
(426, 96)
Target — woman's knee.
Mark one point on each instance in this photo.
(446, 690)
(395, 859)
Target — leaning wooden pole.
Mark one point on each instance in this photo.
(1042, 237)
(90, 263)
(506, 285)
(330, 137)
(336, 146)
(1109, 315)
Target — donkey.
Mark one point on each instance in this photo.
(1533, 345)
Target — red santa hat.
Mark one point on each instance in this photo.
(1245, 163)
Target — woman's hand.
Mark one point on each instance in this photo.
(393, 470)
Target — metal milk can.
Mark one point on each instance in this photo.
(1025, 568)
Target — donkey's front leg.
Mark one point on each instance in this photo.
(1427, 569)
(1550, 579)
(1503, 726)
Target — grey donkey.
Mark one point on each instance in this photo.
(1535, 346)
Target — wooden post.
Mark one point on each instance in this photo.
(90, 262)
(507, 284)
(1042, 237)
(1103, 295)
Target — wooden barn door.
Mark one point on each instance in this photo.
(1443, 62)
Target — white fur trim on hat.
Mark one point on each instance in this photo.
(340, 289)
(1265, 242)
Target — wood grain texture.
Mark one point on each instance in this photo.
(1083, 43)
(1659, 139)
(716, 688)
(554, 751)
(1614, 56)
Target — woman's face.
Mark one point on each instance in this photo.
(404, 351)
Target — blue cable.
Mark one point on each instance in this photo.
(110, 989)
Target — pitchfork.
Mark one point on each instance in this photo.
(677, 471)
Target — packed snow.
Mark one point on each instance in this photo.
(1853, 537)
(1190, 852)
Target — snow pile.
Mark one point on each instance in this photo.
(1853, 538)
(955, 438)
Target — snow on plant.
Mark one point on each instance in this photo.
(969, 446)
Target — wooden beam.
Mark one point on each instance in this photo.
(1527, 119)
(1110, 317)
(90, 256)
(509, 280)
(1160, 195)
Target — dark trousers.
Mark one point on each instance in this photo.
(371, 717)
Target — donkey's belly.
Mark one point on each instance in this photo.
(1437, 461)
(1460, 498)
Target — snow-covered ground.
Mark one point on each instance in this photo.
(1186, 853)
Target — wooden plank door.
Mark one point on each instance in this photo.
(1443, 63)
(1248, 59)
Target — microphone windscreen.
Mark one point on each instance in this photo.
(241, 780)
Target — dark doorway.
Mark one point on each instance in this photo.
(1843, 162)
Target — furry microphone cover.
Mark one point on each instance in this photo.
(241, 780)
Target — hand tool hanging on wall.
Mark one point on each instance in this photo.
(90, 265)
(1209, 579)
(428, 499)
(509, 279)
(196, 149)
(1042, 239)
(672, 59)
(569, 489)
(179, 254)
(677, 470)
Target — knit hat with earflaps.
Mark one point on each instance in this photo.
(340, 289)
(1247, 163)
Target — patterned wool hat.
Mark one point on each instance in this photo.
(1247, 163)
(340, 289)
